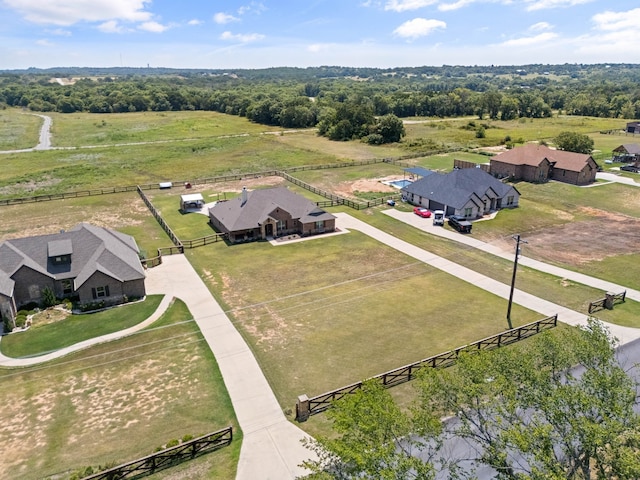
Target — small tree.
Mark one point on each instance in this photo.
(48, 297)
(574, 142)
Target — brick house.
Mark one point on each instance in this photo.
(539, 163)
(470, 192)
(89, 263)
(268, 213)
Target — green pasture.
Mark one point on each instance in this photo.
(18, 130)
(312, 308)
(116, 402)
(87, 129)
(125, 212)
(53, 171)
(461, 133)
(77, 328)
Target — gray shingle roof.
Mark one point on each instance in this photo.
(236, 216)
(456, 188)
(93, 249)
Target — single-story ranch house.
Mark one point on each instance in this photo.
(539, 163)
(267, 213)
(470, 192)
(91, 263)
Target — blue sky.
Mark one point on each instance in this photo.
(273, 33)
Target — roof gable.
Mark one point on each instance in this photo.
(535, 155)
(259, 206)
(458, 187)
(84, 243)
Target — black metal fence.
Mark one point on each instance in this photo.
(168, 457)
(306, 407)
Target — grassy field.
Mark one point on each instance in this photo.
(318, 314)
(18, 130)
(309, 309)
(86, 129)
(73, 329)
(116, 402)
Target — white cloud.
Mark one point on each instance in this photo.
(530, 41)
(44, 43)
(60, 32)
(319, 47)
(615, 21)
(253, 7)
(419, 27)
(195, 21)
(153, 27)
(545, 4)
(406, 5)
(111, 26)
(240, 37)
(540, 26)
(68, 12)
(446, 7)
(222, 18)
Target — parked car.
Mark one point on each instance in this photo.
(460, 223)
(391, 202)
(438, 217)
(421, 212)
(630, 168)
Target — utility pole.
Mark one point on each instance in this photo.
(513, 278)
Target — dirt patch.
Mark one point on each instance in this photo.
(377, 185)
(605, 234)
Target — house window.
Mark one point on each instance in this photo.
(281, 225)
(100, 292)
(468, 211)
(510, 200)
(67, 287)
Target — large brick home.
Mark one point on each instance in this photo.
(90, 263)
(539, 163)
(266, 213)
(470, 192)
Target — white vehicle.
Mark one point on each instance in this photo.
(438, 217)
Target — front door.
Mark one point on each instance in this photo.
(268, 230)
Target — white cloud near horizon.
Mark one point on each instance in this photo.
(419, 27)
(153, 27)
(240, 37)
(530, 41)
(69, 12)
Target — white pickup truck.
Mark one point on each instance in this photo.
(438, 217)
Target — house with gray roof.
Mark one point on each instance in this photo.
(469, 192)
(88, 263)
(629, 152)
(269, 213)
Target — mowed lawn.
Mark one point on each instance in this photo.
(116, 402)
(326, 312)
(18, 130)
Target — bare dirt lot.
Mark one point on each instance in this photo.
(576, 243)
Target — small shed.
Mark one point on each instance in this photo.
(191, 201)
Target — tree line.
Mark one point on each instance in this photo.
(342, 107)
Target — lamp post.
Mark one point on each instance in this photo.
(513, 278)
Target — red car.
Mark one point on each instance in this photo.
(422, 212)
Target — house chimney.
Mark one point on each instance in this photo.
(243, 196)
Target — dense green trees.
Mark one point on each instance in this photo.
(342, 102)
(574, 142)
(526, 412)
